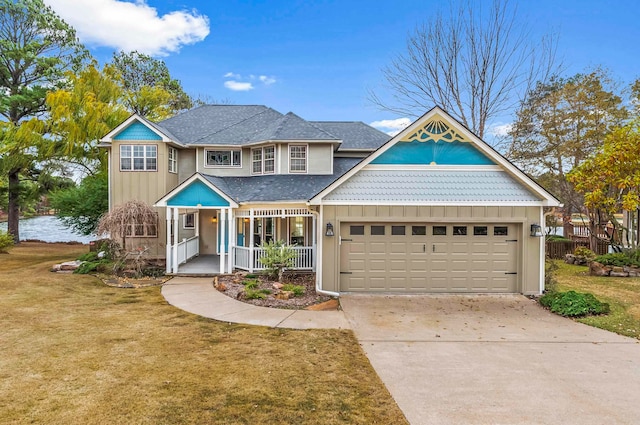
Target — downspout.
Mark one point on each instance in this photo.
(319, 256)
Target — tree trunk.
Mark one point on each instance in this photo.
(14, 205)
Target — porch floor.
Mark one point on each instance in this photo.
(202, 264)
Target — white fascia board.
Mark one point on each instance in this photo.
(162, 202)
(108, 138)
(438, 203)
(426, 167)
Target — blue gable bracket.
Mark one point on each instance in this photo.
(430, 152)
(137, 131)
(197, 193)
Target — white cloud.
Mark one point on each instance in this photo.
(267, 80)
(131, 26)
(500, 130)
(232, 75)
(391, 127)
(238, 86)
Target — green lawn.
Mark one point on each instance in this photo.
(76, 351)
(622, 294)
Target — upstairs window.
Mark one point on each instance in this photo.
(223, 158)
(263, 160)
(297, 158)
(173, 160)
(138, 157)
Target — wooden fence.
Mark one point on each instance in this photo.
(558, 249)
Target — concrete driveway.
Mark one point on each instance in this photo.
(495, 360)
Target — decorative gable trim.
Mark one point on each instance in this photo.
(166, 200)
(432, 127)
(135, 120)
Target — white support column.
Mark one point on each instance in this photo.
(196, 219)
(174, 262)
(314, 247)
(222, 226)
(168, 255)
(232, 240)
(251, 241)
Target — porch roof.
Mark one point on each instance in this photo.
(280, 187)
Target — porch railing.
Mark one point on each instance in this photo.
(242, 255)
(187, 249)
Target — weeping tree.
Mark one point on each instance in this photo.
(127, 219)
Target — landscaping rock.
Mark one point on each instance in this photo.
(330, 305)
(278, 285)
(618, 274)
(284, 295)
(68, 266)
(597, 269)
(570, 259)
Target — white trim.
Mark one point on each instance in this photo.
(541, 251)
(440, 203)
(184, 221)
(146, 145)
(262, 160)
(162, 202)
(306, 158)
(417, 167)
(175, 159)
(221, 247)
(549, 199)
(109, 178)
(205, 165)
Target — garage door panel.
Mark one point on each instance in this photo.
(420, 261)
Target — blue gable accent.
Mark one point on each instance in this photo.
(440, 153)
(197, 193)
(137, 131)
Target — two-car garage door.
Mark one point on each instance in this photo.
(428, 257)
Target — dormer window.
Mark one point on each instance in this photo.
(223, 158)
(263, 160)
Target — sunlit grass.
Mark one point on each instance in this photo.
(622, 294)
(76, 351)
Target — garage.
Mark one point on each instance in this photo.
(417, 257)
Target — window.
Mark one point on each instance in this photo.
(189, 221)
(397, 230)
(377, 230)
(223, 158)
(418, 230)
(142, 231)
(500, 231)
(297, 158)
(459, 230)
(356, 230)
(138, 157)
(296, 229)
(439, 230)
(480, 231)
(263, 160)
(173, 160)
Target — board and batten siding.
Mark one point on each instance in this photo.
(528, 255)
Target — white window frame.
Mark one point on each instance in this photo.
(231, 154)
(146, 233)
(306, 158)
(173, 160)
(263, 160)
(193, 221)
(147, 151)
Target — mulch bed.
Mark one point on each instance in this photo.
(231, 285)
(126, 282)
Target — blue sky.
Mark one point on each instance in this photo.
(319, 58)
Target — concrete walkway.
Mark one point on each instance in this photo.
(198, 296)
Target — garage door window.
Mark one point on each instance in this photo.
(439, 230)
(459, 230)
(356, 230)
(500, 231)
(397, 230)
(480, 231)
(418, 230)
(377, 230)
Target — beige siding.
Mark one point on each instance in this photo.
(528, 255)
(244, 170)
(320, 159)
(186, 164)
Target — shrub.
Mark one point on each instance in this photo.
(618, 259)
(251, 276)
(278, 256)
(153, 272)
(92, 267)
(557, 238)
(550, 270)
(583, 251)
(297, 290)
(250, 284)
(89, 256)
(6, 241)
(573, 304)
(255, 294)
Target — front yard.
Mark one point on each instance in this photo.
(622, 294)
(77, 351)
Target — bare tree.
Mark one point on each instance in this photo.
(474, 64)
(123, 218)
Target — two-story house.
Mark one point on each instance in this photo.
(433, 209)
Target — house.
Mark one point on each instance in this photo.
(433, 209)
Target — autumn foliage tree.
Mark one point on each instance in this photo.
(610, 179)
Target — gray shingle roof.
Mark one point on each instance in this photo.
(355, 135)
(236, 125)
(431, 186)
(280, 187)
